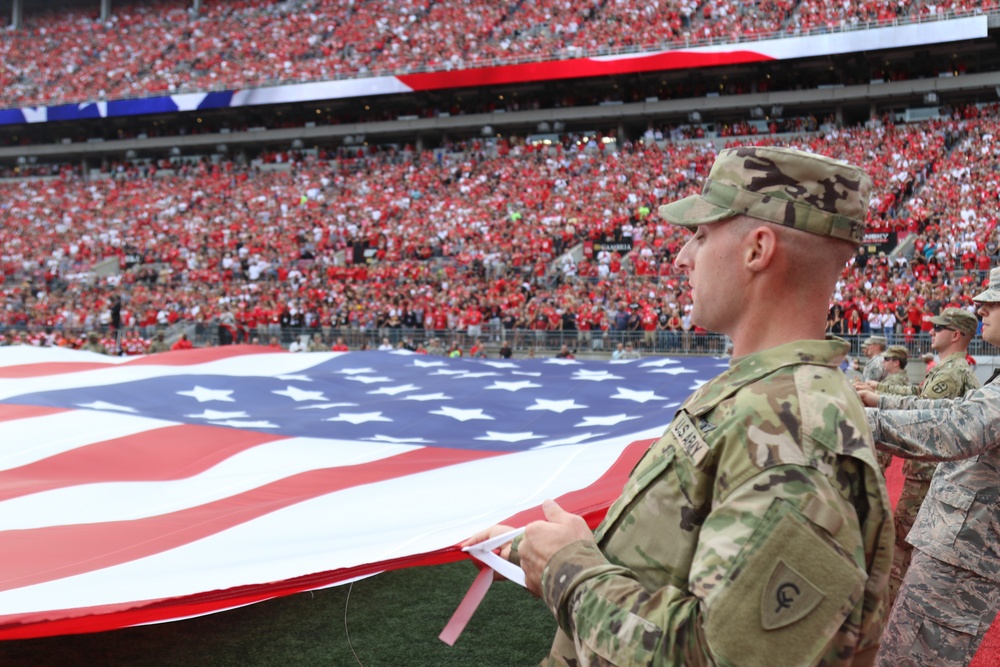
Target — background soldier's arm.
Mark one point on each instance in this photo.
(938, 430)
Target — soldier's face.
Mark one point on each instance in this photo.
(990, 312)
(710, 258)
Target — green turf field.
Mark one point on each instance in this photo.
(393, 620)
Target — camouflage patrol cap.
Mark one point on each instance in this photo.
(958, 319)
(789, 187)
(992, 293)
(876, 340)
(896, 352)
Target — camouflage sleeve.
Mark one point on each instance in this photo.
(714, 618)
(897, 389)
(938, 430)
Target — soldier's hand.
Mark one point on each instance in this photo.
(543, 539)
(868, 397)
(482, 536)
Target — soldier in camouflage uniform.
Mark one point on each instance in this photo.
(953, 330)
(94, 344)
(874, 348)
(756, 531)
(951, 592)
(158, 344)
(894, 364)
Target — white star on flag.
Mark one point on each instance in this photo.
(637, 396)
(217, 415)
(201, 394)
(428, 397)
(369, 380)
(392, 391)
(448, 371)
(398, 441)
(358, 417)
(533, 374)
(459, 414)
(494, 436)
(500, 364)
(610, 420)
(355, 371)
(299, 377)
(299, 395)
(595, 376)
(562, 362)
(659, 363)
(327, 406)
(419, 363)
(555, 406)
(672, 371)
(467, 376)
(513, 386)
(103, 405)
(242, 424)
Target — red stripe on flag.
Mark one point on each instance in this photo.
(37, 555)
(577, 68)
(170, 452)
(49, 368)
(11, 411)
(201, 355)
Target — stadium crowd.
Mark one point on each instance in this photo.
(159, 48)
(472, 238)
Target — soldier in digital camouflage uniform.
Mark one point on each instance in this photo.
(953, 330)
(874, 348)
(756, 531)
(951, 592)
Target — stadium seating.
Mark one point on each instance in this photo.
(342, 241)
(158, 48)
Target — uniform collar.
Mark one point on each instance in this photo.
(751, 367)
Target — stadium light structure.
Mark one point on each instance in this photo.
(930, 98)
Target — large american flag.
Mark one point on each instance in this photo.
(162, 487)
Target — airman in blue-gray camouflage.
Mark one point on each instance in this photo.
(951, 377)
(951, 591)
(756, 531)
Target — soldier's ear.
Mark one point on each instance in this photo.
(760, 244)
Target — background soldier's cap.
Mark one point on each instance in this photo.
(958, 319)
(876, 340)
(896, 352)
(789, 187)
(992, 293)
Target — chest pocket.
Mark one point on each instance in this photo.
(654, 526)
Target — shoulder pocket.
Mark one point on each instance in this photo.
(786, 596)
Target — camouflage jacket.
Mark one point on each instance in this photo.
(755, 532)
(959, 517)
(874, 369)
(897, 379)
(950, 378)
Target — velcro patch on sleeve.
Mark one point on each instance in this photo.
(787, 594)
